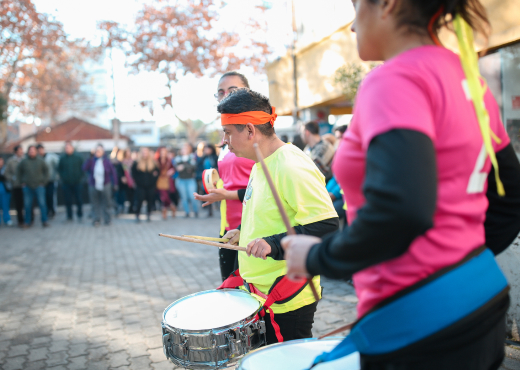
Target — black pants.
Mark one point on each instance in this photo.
(228, 262)
(72, 192)
(147, 194)
(17, 194)
(49, 198)
(474, 343)
(295, 324)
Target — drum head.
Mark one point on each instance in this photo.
(211, 309)
(209, 179)
(298, 355)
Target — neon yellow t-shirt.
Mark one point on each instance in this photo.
(301, 187)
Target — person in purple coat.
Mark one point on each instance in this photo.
(101, 177)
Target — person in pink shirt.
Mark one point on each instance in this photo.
(421, 191)
(234, 172)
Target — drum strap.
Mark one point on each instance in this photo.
(283, 290)
(425, 310)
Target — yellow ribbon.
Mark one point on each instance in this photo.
(223, 207)
(468, 58)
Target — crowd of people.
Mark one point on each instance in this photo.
(118, 182)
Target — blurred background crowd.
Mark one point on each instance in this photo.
(136, 181)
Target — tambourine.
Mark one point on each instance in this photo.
(209, 179)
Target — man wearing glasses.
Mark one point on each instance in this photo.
(234, 172)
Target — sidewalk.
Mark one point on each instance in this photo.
(74, 296)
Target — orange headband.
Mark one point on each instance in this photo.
(253, 117)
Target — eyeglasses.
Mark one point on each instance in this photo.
(221, 94)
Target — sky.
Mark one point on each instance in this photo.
(192, 97)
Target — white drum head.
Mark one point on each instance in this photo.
(211, 309)
(298, 355)
(209, 179)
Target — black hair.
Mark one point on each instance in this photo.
(16, 148)
(313, 127)
(212, 148)
(245, 100)
(341, 128)
(238, 74)
(39, 146)
(416, 14)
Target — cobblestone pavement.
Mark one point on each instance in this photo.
(74, 296)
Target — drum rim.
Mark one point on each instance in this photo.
(246, 320)
(204, 178)
(276, 345)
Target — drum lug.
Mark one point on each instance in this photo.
(261, 326)
(233, 349)
(185, 349)
(166, 345)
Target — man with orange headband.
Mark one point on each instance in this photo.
(248, 118)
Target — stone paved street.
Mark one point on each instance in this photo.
(74, 296)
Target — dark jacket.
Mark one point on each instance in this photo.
(110, 172)
(190, 165)
(145, 179)
(69, 169)
(33, 172)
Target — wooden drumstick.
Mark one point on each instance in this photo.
(285, 218)
(199, 241)
(208, 238)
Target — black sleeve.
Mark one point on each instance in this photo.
(319, 229)
(400, 189)
(503, 214)
(241, 194)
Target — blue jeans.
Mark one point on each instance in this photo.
(70, 192)
(28, 198)
(186, 188)
(5, 201)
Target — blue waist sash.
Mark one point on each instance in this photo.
(425, 310)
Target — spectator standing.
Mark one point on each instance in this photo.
(165, 183)
(186, 184)
(199, 158)
(119, 195)
(11, 179)
(52, 161)
(320, 151)
(5, 195)
(71, 174)
(127, 184)
(102, 176)
(210, 161)
(145, 173)
(33, 174)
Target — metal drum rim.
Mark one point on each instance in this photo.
(276, 345)
(246, 319)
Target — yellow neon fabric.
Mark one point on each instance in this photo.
(223, 216)
(468, 58)
(301, 187)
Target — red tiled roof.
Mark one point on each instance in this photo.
(73, 129)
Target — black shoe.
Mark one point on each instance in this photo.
(46, 224)
(108, 223)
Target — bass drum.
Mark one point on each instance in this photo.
(298, 355)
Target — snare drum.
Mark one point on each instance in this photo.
(211, 329)
(298, 355)
(209, 179)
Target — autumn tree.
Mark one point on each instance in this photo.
(349, 77)
(180, 37)
(38, 64)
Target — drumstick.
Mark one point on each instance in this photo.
(290, 229)
(223, 240)
(198, 241)
(337, 331)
